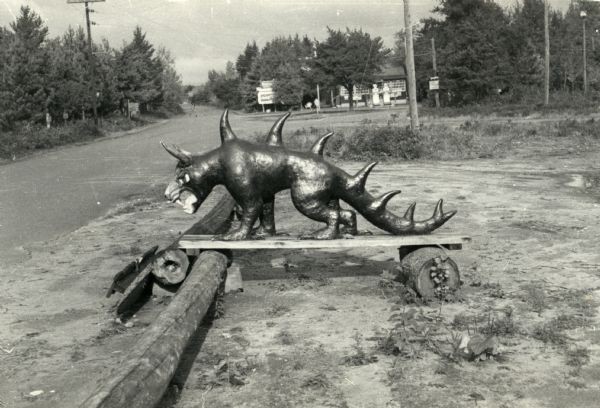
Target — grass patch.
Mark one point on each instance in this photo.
(28, 138)
(470, 140)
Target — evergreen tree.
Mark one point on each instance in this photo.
(69, 75)
(6, 107)
(27, 68)
(139, 72)
(245, 60)
(171, 87)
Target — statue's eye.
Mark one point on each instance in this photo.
(183, 180)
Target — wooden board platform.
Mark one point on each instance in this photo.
(195, 242)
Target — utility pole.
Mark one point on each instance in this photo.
(318, 107)
(583, 15)
(410, 66)
(92, 65)
(546, 55)
(435, 73)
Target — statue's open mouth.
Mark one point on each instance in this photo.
(188, 201)
(185, 197)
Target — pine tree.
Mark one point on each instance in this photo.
(140, 72)
(27, 68)
(171, 87)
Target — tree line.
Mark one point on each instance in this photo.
(296, 65)
(41, 75)
(482, 50)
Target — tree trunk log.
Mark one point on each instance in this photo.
(170, 266)
(145, 374)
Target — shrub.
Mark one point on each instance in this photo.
(370, 142)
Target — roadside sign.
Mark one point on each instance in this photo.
(434, 83)
(265, 94)
(266, 97)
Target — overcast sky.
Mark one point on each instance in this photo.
(205, 34)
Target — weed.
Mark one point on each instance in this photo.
(285, 337)
(581, 300)
(228, 372)
(490, 324)
(569, 321)
(536, 297)
(576, 384)
(501, 326)
(319, 380)
(277, 310)
(359, 357)
(549, 333)
(578, 357)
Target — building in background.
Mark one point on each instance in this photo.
(389, 88)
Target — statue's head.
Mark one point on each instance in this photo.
(194, 176)
(190, 187)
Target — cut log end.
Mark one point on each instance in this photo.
(431, 273)
(171, 266)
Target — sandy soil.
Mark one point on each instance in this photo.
(312, 328)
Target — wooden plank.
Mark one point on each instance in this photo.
(142, 378)
(207, 242)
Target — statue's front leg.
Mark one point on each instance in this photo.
(250, 213)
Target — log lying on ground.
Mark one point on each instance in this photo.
(143, 377)
(170, 266)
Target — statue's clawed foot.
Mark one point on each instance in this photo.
(325, 233)
(232, 236)
(262, 232)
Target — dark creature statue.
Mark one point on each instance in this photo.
(253, 174)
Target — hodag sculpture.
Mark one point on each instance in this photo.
(254, 173)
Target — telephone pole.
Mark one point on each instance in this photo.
(410, 66)
(546, 55)
(435, 73)
(92, 65)
(583, 15)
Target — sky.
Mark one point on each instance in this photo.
(205, 34)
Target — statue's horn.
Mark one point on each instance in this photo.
(225, 127)
(274, 136)
(183, 156)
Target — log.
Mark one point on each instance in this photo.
(123, 278)
(170, 266)
(430, 272)
(141, 380)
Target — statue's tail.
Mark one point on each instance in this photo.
(375, 211)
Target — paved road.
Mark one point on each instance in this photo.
(61, 190)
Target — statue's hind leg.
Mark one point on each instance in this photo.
(348, 220)
(315, 208)
(267, 219)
